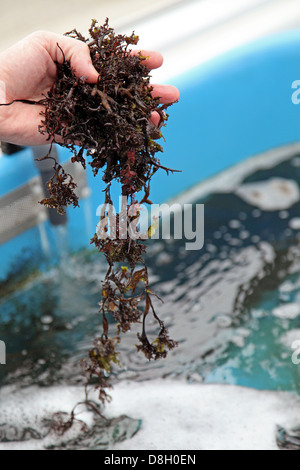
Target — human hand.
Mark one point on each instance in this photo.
(28, 70)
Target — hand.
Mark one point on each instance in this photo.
(27, 72)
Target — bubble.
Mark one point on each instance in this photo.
(244, 234)
(283, 215)
(234, 224)
(255, 238)
(288, 338)
(234, 242)
(163, 259)
(295, 223)
(217, 235)
(287, 286)
(238, 341)
(242, 216)
(223, 321)
(272, 194)
(46, 320)
(289, 311)
(211, 248)
(227, 237)
(256, 213)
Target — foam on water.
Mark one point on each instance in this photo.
(233, 306)
(204, 417)
(27, 426)
(177, 416)
(289, 311)
(271, 195)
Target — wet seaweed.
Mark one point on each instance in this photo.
(109, 125)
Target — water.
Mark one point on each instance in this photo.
(233, 307)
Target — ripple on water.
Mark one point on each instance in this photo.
(232, 305)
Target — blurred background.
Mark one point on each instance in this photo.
(187, 32)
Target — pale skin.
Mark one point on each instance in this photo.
(27, 71)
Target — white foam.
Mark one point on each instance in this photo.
(175, 414)
(230, 179)
(286, 287)
(289, 311)
(295, 223)
(184, 416)
(270, 195)
(290, 337)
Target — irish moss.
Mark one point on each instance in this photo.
(109, 126)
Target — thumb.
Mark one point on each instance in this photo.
(75, 51)
(80, 59)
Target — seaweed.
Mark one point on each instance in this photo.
(109, 125)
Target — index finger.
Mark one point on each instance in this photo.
(153, 59)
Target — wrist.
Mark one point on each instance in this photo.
(2, 102)
(4, 78)
(2, 91)
(7, 77)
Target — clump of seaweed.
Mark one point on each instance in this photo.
(109, 126)
(110, 123)
(61, 188)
